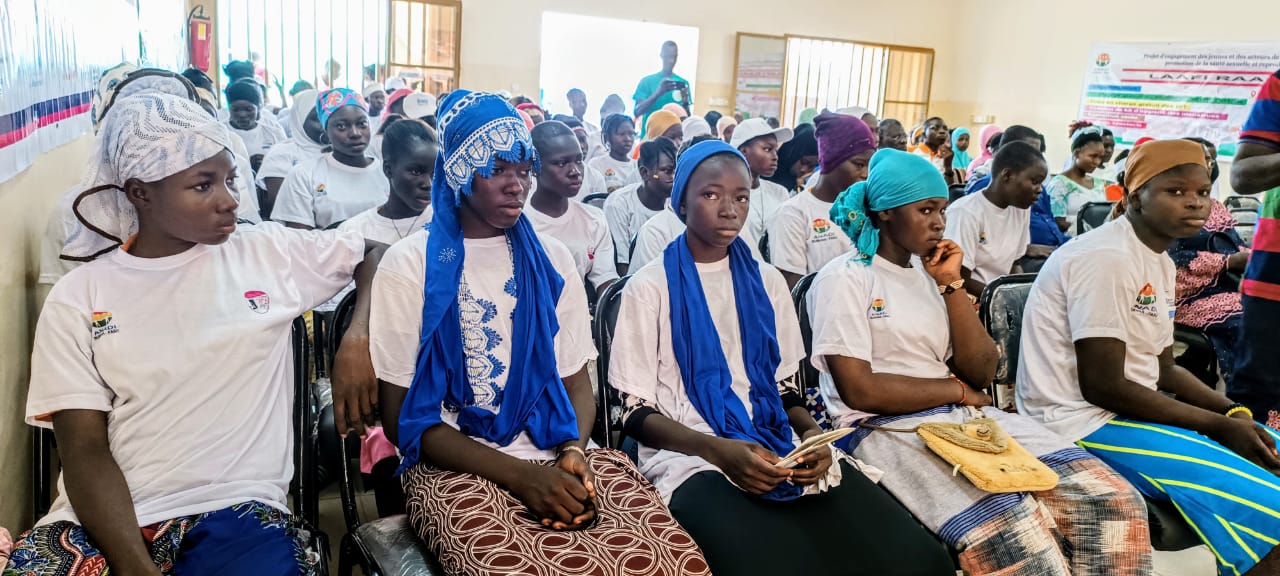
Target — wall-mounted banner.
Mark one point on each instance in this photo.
(51, 55)
(1175, 90)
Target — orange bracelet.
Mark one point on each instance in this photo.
(964, 390)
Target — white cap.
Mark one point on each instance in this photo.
(395, 83)
(419, 104)
(695, 126)
(753, 128)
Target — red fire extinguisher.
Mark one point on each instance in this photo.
(199, 36)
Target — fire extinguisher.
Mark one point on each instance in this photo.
(199, 36)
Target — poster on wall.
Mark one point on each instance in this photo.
(51, 55)
(1175, 90)
(758, 74)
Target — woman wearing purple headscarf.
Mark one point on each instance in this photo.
(801, 236)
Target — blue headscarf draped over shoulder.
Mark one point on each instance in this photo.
(476, 129)
(703, 366)
(894, 179)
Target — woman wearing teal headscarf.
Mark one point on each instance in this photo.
(960, 146)
(899, 345)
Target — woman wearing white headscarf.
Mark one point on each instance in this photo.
(117, 83)
(163, 364)
(306, 144)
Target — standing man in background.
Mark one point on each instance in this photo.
(658, 90)
(578, 104)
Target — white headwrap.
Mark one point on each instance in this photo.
(395, 83)
(695, 126)
(303, 103)
(147, 137)
(370, 88)
(111, 77)
(855, 111)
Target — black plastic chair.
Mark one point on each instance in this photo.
(1001, 311)
(807, 376)
(608, 425)
(386, 546)
(955, 192)
(596, 200)
(44, 468)
(1092, 215)
(764, 247)
(1199, 358)
(1242, 202)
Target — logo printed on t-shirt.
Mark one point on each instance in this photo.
(1145, 302)
(102, 325)
(259, 301)
(982, 237)
(878, 309)
(320, 191)
(821, 225)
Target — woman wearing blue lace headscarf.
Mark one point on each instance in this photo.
(899, 345)
(706, 347)
(489, 380)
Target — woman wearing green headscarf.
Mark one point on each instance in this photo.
(960, 160)
(899, 345)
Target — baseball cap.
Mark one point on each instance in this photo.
(754, 128)
(419, 104)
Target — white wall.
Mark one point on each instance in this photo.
(1024, 61)
(501, 38)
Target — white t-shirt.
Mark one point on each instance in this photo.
(890, 316)
(281, 159)
(61, 225)
(1104, 284)
(395, 321)
(373, 226)
(189, 356)
(585, 232)
(593, 182)
(802, 237)
(660, 230)
(643, 364)
(260, 139)
(765, 201)
(626, 214)
(616, 174)
(992, 238)
(324, 192)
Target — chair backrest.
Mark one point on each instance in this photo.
(1245, 216)
(807, 376)
(44, 468)
(596, 200)
(304, 489)
(1092, 215)
(955, 192)
(764, 247)
(631, 249)
(1242, 202)
(1001, 310)
(608, 426)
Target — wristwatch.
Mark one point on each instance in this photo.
(945, 289)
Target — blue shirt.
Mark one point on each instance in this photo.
(1044, 229)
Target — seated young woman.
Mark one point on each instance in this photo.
(490, 383)
(706, 339)
(164, 365)
(1097, 367)
(899, 344)
(801, 237)
(580, 227)
(338, 184)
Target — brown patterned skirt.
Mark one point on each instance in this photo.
(476, 528)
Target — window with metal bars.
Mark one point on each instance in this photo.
(329, 43)
(890, 81)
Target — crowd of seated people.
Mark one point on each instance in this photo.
(204, 226)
